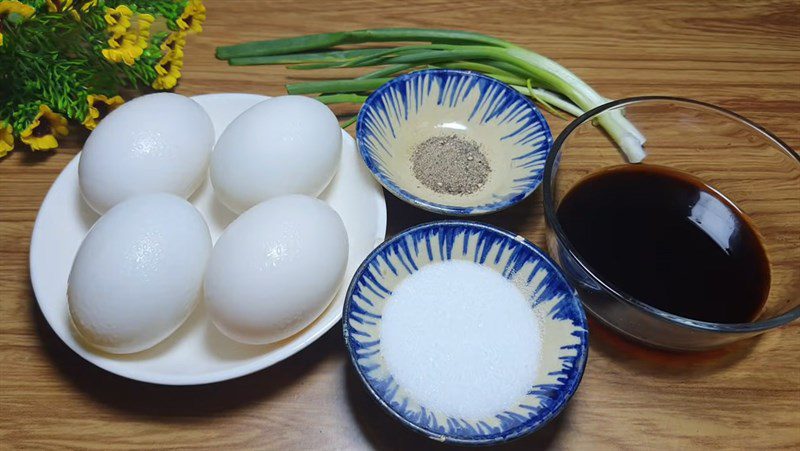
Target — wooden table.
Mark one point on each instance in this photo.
(745, 57)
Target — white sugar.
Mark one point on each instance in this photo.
(461, 339)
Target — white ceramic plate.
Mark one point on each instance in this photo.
(197, 353)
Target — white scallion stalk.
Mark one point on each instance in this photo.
(560, 79)
(551, 99)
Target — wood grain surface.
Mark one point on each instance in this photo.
(741, 55)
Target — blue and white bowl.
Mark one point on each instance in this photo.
(564, 345)
(414, 107)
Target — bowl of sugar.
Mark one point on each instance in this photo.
(465, 333)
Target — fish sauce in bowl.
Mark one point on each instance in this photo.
(668, 239)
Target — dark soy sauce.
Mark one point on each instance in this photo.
(669, 240)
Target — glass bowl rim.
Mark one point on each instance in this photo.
(552, 220)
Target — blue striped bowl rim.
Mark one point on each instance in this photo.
(435, 207)
(564, 392)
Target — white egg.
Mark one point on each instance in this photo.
(155, 143)
(275, 269)
(138, 273)
(283, 145)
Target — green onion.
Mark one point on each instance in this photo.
(533, 75)
(386, 71)
(330, 99)
(336, 86)
(301, 57)
(327, 40)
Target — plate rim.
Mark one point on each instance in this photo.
(265, 361)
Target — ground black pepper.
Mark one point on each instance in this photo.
(450, 165)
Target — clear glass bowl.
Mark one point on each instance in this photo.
(749, 165)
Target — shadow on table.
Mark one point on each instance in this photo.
(641, 359)
(69, 145)
(521, 218)
(385, 433)
(181, 403)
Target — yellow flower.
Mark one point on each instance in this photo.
(143, 34)
(121, 50)
(10, 7)
(88, 5)
(130, 46)
(99, 107)
(6, 139)
(58, 5)
(42, 132)
(118, 19)
(174, 44)
(55, 6)
(193, 17)
(169, 71)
